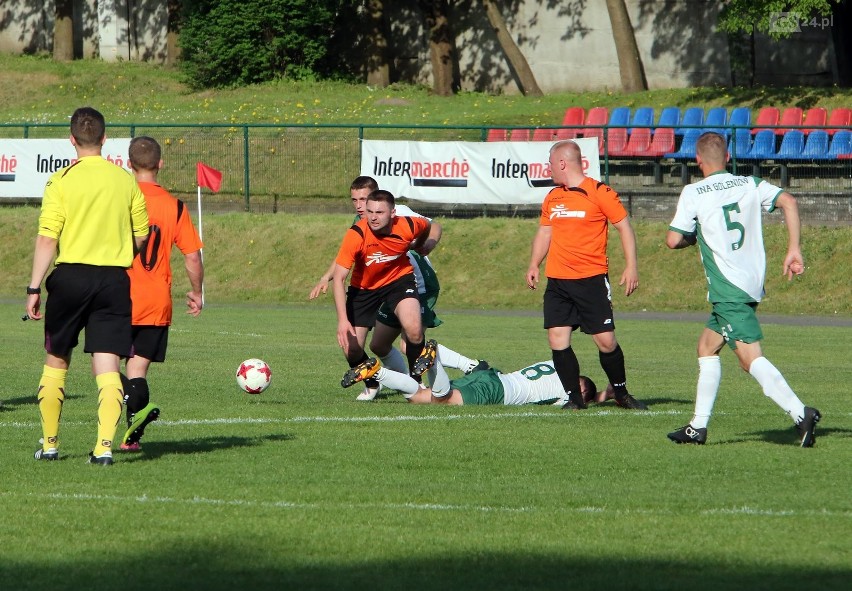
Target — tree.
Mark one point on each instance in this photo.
(378, 66)
(63, 31)
(776, 18)
(517, 61)
(442, 46)
(629, 60)
(173, 32)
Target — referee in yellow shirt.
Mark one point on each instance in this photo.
(93, 218)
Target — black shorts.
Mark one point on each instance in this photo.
(90, 297)
(150, 342)
(362, 304)
(584, 303)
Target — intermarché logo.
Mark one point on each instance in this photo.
(793, 22)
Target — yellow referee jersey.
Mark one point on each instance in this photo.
(94, 209)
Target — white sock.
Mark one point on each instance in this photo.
(455, 360)
(775, 387)
(395, 361)
(439, 379)
(397, 381)
(709, 377)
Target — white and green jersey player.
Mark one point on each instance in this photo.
(723, 212)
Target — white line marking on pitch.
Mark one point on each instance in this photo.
(368, 419)
(142, 499)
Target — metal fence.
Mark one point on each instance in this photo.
(308, 168)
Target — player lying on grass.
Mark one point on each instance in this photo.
(535, 384)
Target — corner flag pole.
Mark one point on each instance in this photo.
(201, 236)
(212, 179)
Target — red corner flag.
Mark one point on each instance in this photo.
(208, 177)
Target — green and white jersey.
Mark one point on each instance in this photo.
(424, 273)
(724, 212)
(535, 384)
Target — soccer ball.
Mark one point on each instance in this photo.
(254, 376)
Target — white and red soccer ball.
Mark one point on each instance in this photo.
(254, 376)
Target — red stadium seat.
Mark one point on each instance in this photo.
(662, 143)
(766, 116)
(574, 116)
(496, 135)
(792, 118)
(814, 117)
(519, 135)
(544, 134)
(839, 118)
(637, 145)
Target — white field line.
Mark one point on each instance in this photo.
(368, 419)
(437, 507)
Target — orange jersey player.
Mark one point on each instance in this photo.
(151, 285)
(375, 251)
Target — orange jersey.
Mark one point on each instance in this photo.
(151, 273)
(579, 218)
(379, 260)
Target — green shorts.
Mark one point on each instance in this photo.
(735, 322)
(480, 387)
(427, 312)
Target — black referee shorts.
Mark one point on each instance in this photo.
(90, 297)
(584, 303)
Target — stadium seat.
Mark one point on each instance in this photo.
(687, 145)
(766, 116)
(716, 119)
(792, 145)
(669, 117)
(662, 143)
(496, 135)
(544, 134)
(763, 147)
(519, 135)
(816, 146)
(637, 144)
(839, 118)
(567, 134)
(596, 118)
(692, 116)
(620, 116)
(643, 116)
(740, 143)
(814, 117)
(740, 117)
(616, 140)
(574, 116)
(841, 144)
(790, 118)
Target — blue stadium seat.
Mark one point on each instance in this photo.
(717, 118)
(643, 117)
(792, 145)
(763, 147)
(841, 143)
(619, 116)
(669, 117)
(742, 139)
(687, 145)
(692, 116)
(740, 117)
(816, 147)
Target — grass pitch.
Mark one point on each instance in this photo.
(304, 488)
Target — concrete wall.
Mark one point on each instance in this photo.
(568, 43)
(109, 29)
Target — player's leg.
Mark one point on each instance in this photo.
(408, 312)
(149, 345)
(51, 396)
(438, 379)
(108, 338)
(560, 318)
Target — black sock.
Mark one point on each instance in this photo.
(413, 351)
(613, 366)
(143, 395)
(568, 369)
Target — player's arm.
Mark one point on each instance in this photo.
(675, 240)
(540, 246)
(45, 251)
(322, 285)
(338, 288)
(195, 272)
(630, 276)
(435, 232)
(793, 263)
(419, 241)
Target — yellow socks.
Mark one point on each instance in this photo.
(110, 398)
(51, 395)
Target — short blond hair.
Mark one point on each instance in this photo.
(712, 147)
